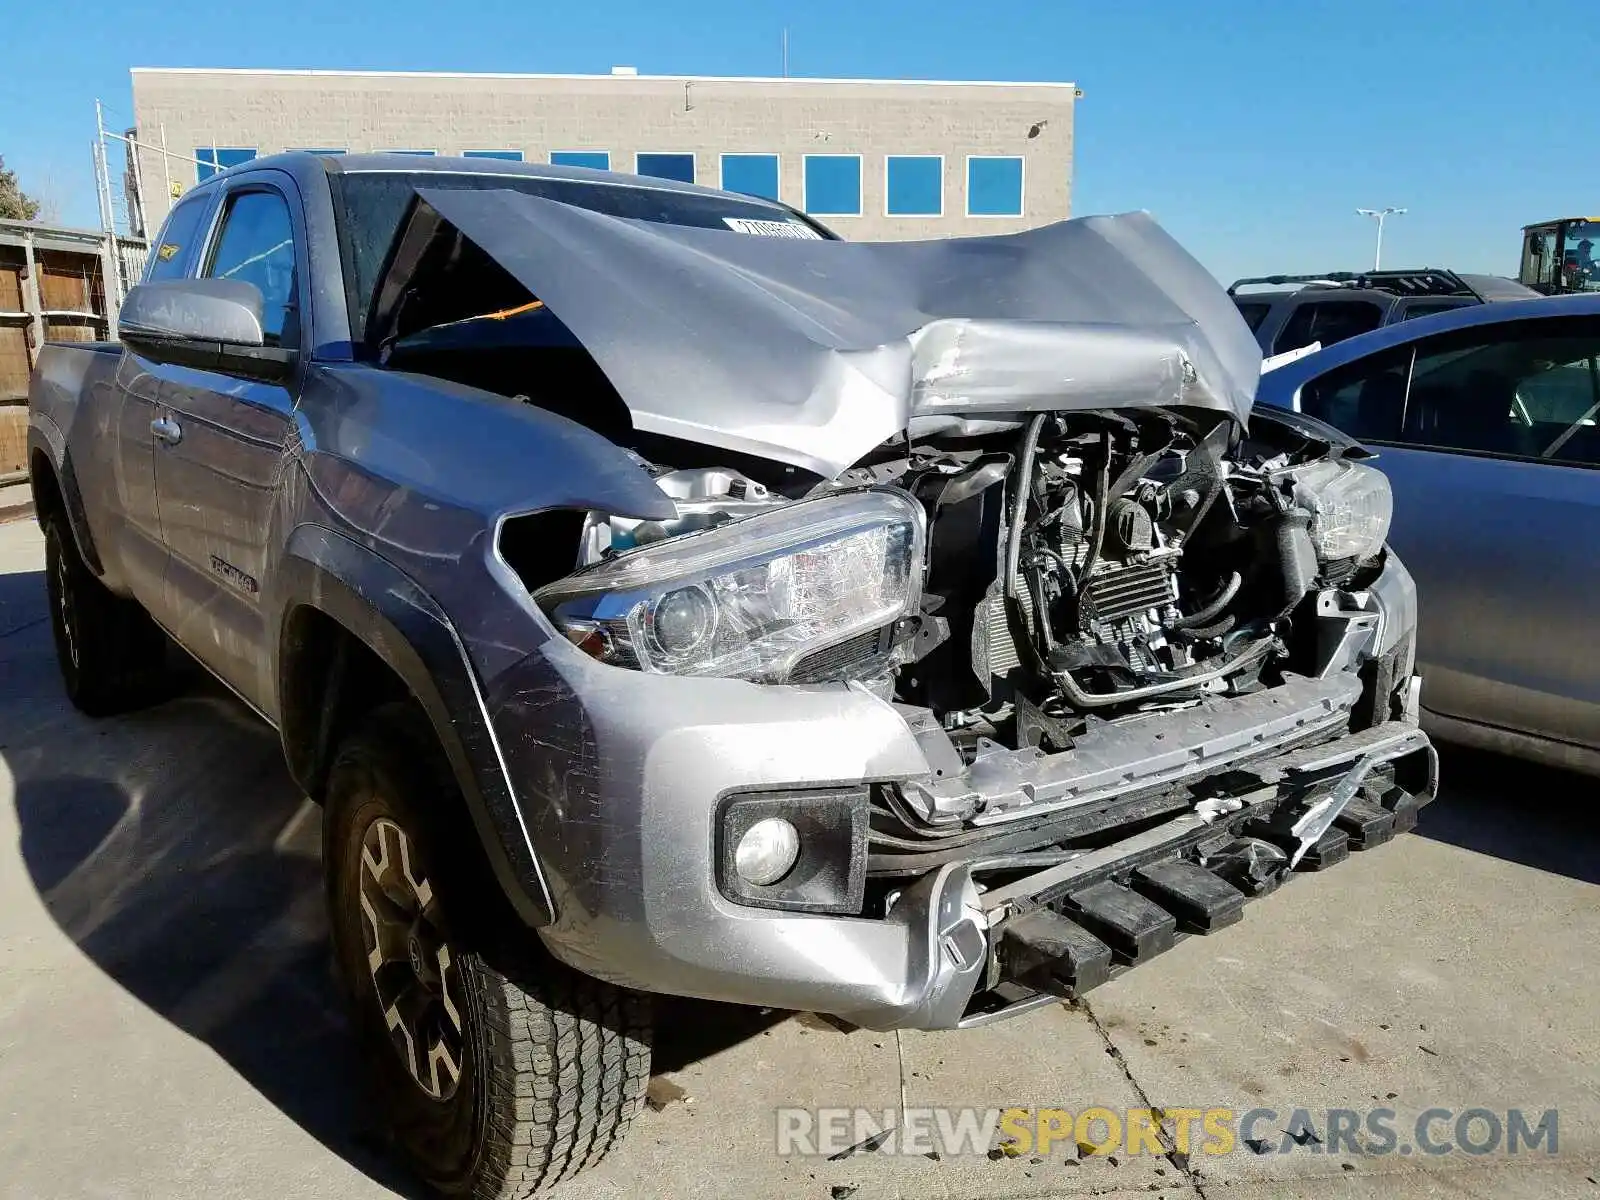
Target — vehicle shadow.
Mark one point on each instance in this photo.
(23, 600)
(1521, 812)
(173, 849)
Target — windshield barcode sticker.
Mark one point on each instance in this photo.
(777, 229)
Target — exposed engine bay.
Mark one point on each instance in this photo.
(1128, 558)
(1078, 566)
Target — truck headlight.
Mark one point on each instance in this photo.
(750, 598)
(1350, 505)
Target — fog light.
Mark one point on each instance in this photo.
(766, 852)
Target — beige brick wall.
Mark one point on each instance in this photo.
(274, 111)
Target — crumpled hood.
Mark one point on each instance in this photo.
(812, 352)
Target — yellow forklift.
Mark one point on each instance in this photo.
(1561, 256)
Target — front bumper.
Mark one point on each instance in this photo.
(1063, 929)
(621, 790)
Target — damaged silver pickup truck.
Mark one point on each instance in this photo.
(661, 595)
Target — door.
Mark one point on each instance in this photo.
(224, 447)
(1489, 438)
(1580, 268)
(1540, 254)
(133, 411)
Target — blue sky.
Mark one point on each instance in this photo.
(1251, 129)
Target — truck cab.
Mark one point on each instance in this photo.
(1558, 256)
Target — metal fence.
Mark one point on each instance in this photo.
(132, 254)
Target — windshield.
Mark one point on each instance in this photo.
(373, 203)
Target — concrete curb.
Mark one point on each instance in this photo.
(16, 512)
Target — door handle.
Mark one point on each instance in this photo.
(167, 430)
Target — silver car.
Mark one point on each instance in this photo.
(1486, 423)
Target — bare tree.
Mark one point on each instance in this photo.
(15, 204)
(49, 194)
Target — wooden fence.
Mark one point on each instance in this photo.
(56, 285)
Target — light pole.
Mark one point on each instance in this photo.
(1379, 214)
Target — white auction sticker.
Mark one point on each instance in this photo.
(777, 229)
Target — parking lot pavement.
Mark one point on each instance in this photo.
(168, 1027)
(16, 501)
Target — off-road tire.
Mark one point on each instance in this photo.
(113, 657)
(555, 1063)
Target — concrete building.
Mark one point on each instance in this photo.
(870, 158)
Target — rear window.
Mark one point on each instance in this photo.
(374, 203)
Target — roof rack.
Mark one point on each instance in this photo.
(1424, 281)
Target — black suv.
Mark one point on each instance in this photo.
(1329, 308)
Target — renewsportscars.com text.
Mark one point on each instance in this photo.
(832, 1132)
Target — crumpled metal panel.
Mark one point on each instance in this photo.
(812, 352)
(1154, 750)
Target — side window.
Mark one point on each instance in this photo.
(1529, 389)
(1254, 312)
(1366, 398)
(913, 185)
(175, 248)
(256, 245)
(1538, 260)
(754, 174)
(1327, 321)
(1296, 331)
(832, 184)
(1426, 308)
(665, 166)
(994, 185)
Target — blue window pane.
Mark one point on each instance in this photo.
(257, 246)
(219, 158)
(415, 153)
(595, 160)
(915, 185)
(994, 187)
(507, 155)
(833, 184)
(666, 166)
(752, 174)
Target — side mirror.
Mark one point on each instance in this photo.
(212, 324)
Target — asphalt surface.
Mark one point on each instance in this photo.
(168, 1026)
(16, 500)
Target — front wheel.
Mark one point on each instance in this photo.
(499, 1071)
